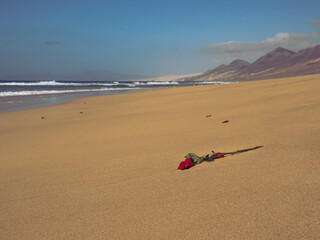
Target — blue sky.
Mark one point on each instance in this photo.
(148, 37)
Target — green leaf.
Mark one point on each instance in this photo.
(195, 158)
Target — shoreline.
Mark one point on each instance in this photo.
(30, 94)
(18, 103)
(107, 169)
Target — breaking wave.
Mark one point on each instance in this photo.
(54, 83)
(44, 92)
(155, 83)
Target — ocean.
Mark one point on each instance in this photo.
(20, 95)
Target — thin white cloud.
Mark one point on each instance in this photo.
(249, 50)
(315, 35)
(315, 23)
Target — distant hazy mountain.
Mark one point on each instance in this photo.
(94, 75)
(280, 62)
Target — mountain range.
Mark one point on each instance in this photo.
(278, 63)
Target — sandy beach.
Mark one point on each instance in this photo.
(106, 167)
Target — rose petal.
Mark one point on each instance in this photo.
(219, 155)
(226, 121)
(188, 163)
(182, 166)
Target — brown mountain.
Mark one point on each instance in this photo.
(280, 62)
(275, 59)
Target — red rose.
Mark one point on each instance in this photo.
(220, 155)
(182, 166)
(188, 163)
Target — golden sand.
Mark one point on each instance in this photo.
(111, 172)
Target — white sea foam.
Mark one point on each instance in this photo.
(54, 83)
(156, 83)
(121, 86)
(134, 83)
(44, 92)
